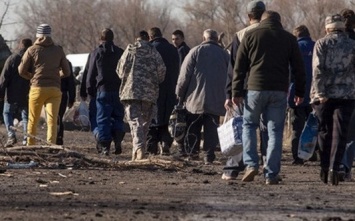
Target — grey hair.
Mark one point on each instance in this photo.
(210, 35)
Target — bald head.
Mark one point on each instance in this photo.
(210, 35)
(271, 15)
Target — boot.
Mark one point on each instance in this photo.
(165, 149)
(152, 148)
(11, 141)
(117, 139)
(104, 146)
(138, 154)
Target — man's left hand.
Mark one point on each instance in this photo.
(298, 100)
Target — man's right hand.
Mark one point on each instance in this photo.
(228, 104)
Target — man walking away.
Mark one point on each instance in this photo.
(141, 70)
(14, 90)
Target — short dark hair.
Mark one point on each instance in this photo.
(271, 15)
(155, 32)
(179, 32)
(349, 17)
(143, 35)
(301, 31)
(256, 15)
(25, 43)
(106, 35)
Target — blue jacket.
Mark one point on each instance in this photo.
(306, 46)
(101, 74)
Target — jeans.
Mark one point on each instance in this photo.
(109, 114)
(9, 113)
(272, 105)
(50, 98)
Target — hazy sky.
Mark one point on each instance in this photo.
(9, 29)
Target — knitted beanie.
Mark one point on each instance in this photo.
(43, 30)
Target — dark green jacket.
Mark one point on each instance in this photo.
(266, 53)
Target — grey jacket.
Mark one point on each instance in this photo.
(202, 79)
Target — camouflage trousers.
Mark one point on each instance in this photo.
(139, 117)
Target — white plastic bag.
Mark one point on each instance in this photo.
(230, 135)
(81, 115)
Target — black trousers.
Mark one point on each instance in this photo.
(334, 117)
(194, 124)
(299, 117)
(62, 108)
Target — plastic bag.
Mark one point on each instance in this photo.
(308, 138)
(230, 134)
(81, 115)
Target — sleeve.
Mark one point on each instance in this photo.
(121, 64)
(64, 64)
(298, 69)
(91, 76)
(318, 64)
(25, 65)
(161, 68)
(186, 72)
(83, 92)
(4, 78)
(241, 68)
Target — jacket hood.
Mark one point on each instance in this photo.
(108, 46)
(44, 41)
(132, 48)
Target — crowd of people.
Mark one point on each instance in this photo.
(267, 72)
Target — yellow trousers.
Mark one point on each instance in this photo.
(50, 98)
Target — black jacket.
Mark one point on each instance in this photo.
(167, 97)
(266, 53)
(101, 74)
(67, 86)
(14, 88)
(183, 50)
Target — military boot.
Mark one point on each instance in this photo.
(117, 139)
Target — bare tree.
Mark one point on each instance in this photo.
(76, 24)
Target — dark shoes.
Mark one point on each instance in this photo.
(298, 161)
(103, 147)
(324, 175)
(272, 181)
(117, 139)
(334, 177)
(230, 175)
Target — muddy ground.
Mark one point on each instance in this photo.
(185, 191)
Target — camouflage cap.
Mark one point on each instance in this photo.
(334, 21)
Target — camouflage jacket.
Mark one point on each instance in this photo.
(141, 69)
(333, 67)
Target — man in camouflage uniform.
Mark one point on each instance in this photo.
(333, 94)
(141, 70)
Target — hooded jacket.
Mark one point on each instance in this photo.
(141, 69)
(101, 74)
(44, 64)
(13, 88)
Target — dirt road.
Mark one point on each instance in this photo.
(151, 192)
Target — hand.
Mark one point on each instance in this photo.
(237, 101)
(322, 100)
(298, 100)
(228, 104)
